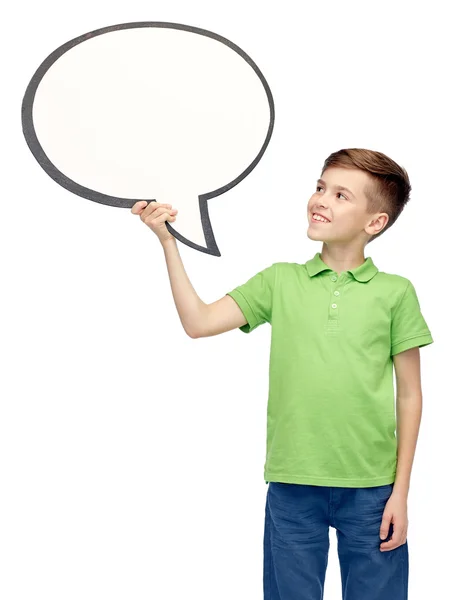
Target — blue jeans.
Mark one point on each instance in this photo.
(296, 543)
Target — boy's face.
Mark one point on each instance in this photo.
(346, 209)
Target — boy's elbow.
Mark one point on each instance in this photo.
(193, 333)
(198, 328)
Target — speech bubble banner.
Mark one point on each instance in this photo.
(150, 111)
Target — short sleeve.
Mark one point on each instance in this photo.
(408, 327)
(254, 298)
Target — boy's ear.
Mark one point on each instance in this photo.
(380, 222)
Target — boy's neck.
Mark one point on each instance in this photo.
(342, 258)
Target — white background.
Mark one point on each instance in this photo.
(131, 456)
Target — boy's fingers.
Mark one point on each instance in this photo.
(157, 207)
(397, 539)
(384, 529)
(154, 212)
(138, 206)
(158, 204)
(143, 203)
(391, 544)
(388, 546)
(152, 208)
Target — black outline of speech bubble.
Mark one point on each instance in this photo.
(79, 190)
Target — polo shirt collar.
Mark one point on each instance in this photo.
(363, 273)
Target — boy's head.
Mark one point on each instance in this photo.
(377, 191)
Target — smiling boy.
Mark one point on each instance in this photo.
(339, 453)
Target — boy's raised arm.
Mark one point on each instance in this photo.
(220, 316)
(198, 318)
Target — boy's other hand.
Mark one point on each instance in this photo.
(154, 215)
(395, 512)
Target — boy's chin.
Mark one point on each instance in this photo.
(314, 236)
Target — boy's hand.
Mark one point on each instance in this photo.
(154, 215)
(395, 512)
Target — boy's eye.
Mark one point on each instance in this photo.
(319, 187)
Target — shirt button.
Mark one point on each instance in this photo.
(333, 278)
(337, 293)
(333, 305)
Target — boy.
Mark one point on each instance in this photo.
(339, 325)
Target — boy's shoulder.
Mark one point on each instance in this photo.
(393, 280)
(393, 277)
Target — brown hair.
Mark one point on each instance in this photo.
(390, 187)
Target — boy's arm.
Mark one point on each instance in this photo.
(408, 414)
(198, 318)
(220, 316)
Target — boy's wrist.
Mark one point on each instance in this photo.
(401, 488)
(167, 243)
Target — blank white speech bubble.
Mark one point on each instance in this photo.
(150, 111)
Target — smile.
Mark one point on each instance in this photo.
(318, 219)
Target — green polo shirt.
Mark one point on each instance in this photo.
(331, 416)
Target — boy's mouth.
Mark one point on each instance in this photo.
(316, 218)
